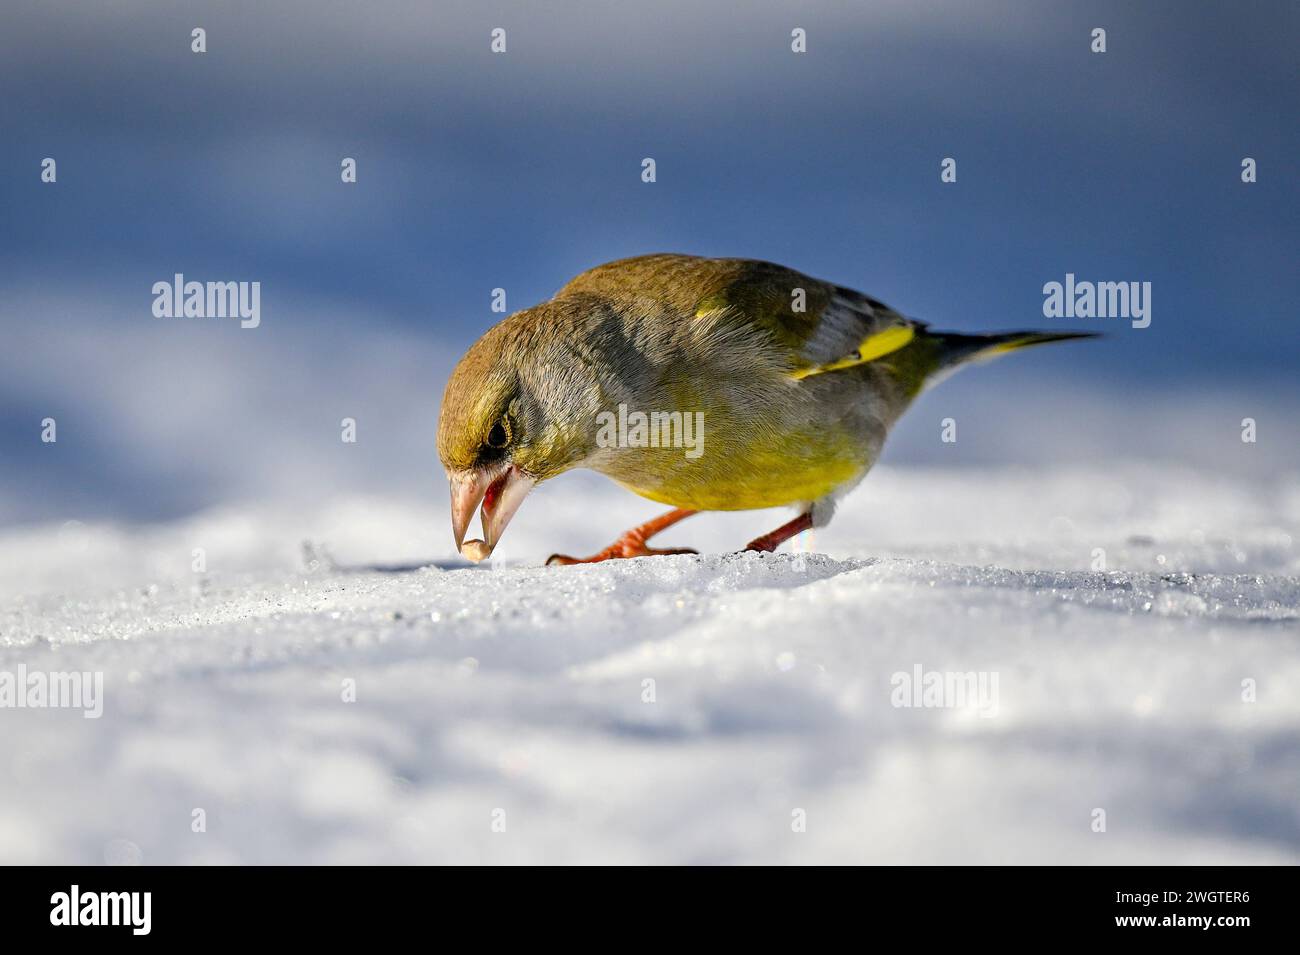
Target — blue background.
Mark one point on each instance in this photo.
(519, 170)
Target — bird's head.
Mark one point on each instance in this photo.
(515, 413)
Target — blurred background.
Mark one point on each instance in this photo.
(478, 171)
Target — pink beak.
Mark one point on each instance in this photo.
(500, 493)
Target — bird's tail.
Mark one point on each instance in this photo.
(956, 349)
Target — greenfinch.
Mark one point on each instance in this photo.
(703, 384)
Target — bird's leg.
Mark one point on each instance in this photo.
(774, 539)
(632, 544)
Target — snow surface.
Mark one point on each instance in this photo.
(517, 687)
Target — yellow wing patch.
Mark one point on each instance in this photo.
(874, 346)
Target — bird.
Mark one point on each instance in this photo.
(786, 387)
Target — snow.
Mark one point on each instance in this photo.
(515, 692)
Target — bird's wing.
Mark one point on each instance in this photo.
(814, 326)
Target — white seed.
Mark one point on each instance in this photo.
(475, 550)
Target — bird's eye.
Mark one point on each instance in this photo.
(499, 436)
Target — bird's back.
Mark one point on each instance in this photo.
(739, 338)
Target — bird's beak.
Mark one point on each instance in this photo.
(500, 492)
(467, 490)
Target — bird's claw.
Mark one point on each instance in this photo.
(621, 550)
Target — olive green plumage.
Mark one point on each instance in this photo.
(799, 381)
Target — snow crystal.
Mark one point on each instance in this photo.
(371, 697)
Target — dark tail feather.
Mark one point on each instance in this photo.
(958, 349)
